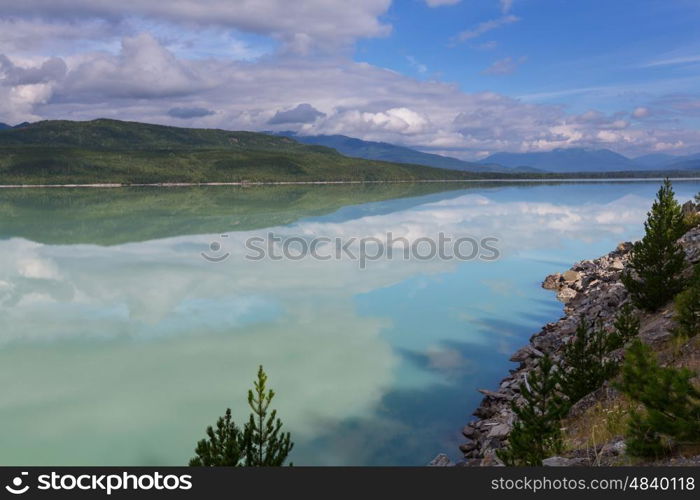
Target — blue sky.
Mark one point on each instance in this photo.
(607, 54)
(459, 77)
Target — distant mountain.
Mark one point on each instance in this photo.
(567, 160)
(656, 159)
(686, 163)
(383, 151)
(4, 126)
(693, 157)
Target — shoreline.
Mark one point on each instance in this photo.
(590, 289)
(321, 183)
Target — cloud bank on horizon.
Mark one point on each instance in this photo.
(448, 76)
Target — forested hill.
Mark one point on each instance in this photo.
(112, 151)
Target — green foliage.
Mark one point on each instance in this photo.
(626, 327)
(537, 433)
(111, 151)
(584, 361)
(223, 448)
(260, 444)
(671, 403)
(641, 439)
(266, 445)
(687, 306)
(657, 259)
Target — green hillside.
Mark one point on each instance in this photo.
(111, 151)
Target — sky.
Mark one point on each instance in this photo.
(465, 78)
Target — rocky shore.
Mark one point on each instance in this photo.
(591, 289)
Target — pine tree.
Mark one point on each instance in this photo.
(687, 305)
(536, 434)
(671, 403)
(224, 446)
(584, 362)
(657, 260)
(265, 444)
(260, 444)
(625, 328)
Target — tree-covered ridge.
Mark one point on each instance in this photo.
(117, 152)
(112, 151)
(106, 134)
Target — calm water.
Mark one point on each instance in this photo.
(119, 343)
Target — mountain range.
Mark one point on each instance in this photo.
(568, 160)
(44, 147)
(571, 160)
(384, 151)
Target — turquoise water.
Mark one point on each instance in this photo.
(119, 343)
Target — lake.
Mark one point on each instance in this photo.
(121, 338)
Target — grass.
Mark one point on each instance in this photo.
(601, 423)
(607, 420)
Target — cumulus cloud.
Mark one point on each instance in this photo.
(23, 87)
(144, 81)
(303, 113)
(52, 69)
(149, 77)
(393, 121)
(300, 24)
(142, 69)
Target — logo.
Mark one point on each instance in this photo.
(215, 248)
(16, 488)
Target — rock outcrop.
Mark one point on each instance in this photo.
(591, 289)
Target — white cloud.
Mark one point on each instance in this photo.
(298, 24)
(142, 69)
(505, 66)
(641, 112)
(439, 3)
(506, 5)
(27, 34)
(486, 26)
(303, 113)
(672, 61)
(419, 67)
(152, 78)
(391, 121)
